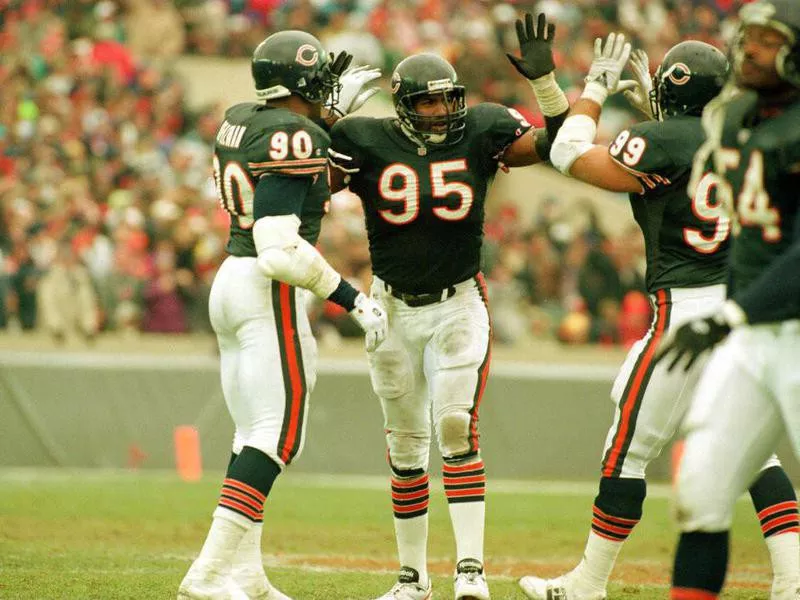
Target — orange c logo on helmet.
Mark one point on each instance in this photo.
(307, 55)
(681, 78)
(396, 82)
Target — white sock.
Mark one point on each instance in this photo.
(219, 550)
(468, 520)
(784, 554)
(248, 555)
(598, 561)
(412, 544)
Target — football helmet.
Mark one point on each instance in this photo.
(427, 74)
(691, 74)
(784, 17)
(293, 62)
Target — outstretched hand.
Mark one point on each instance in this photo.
(637, 90)
(340, 62)
(535, 46)
(609, 60)
(352, 93)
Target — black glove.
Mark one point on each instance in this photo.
(340, 62)
(536, 47)
(692, 339)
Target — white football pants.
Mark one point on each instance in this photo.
(652, 402)
(433, 363)
(268, 357)
(747, 398)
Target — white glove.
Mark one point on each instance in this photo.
(606, 69)
(352, 96)
(637, 90)
(372, 319)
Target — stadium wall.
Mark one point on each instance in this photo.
(538, 421)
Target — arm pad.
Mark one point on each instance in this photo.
(574, 139)
(285, 256)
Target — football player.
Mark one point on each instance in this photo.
(270, 167)
(749, 394)
(687, 246)
(422, 177)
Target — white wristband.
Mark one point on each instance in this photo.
(596, 92)
(550, 97)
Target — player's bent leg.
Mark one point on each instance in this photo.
(240, 508)
(396, 380)
(776, 506)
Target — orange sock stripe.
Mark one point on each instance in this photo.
(407, 483)
(775, 508)
(626, 531)
(616, 520)
(610, 538)
(468, 492)
(691, 594)
(411, 507)
(409, 495)
(243, 498)
(243, 487)
(237, 506)
(777, 522)
(454, 469)
(462, 480)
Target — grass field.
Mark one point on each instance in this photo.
(132, 535)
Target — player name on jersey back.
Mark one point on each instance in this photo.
(230, 135)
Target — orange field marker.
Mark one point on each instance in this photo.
(187, 453)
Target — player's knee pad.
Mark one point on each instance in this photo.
(700, 505)
(453, 430)
(621, 497)
(407, 452)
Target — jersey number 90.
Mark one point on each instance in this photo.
(235, 191)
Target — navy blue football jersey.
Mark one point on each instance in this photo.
(424, 209)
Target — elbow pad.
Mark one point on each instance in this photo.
(285, 256)
(574, 139)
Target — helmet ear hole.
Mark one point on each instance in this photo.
(691, 74)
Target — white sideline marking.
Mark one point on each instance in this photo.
(745, 573)
(327, 366)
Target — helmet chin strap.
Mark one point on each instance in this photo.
(421, 138)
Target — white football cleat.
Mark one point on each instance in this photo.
(205, 589)
(206, 580)
(408, 587)
(264, 591)
(469, 582)
(565, 587)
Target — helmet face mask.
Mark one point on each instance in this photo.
(429, 77)
(782, 16)
(691, 74)
(293, 62)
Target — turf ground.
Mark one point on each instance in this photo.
(100, 535)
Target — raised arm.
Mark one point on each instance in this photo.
(574, 152)
(536, 65)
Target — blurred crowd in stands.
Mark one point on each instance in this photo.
(109, 219)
